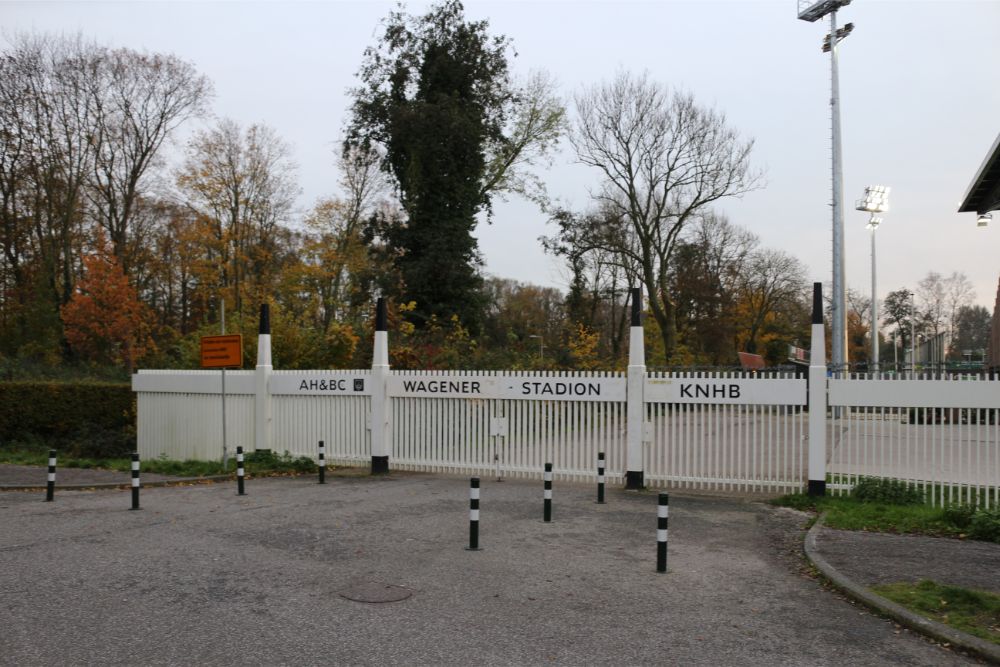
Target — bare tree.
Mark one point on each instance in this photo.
(663, 160)
(933, 302)
(710, 265)
(773, 280)
(243, 183)
(139, 100)
(80, 126)
(336, 248)
(537, 122)
(601, 277)
(861, 305)
(45, 121)
(958, 293)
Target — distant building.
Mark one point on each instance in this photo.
(982, 197)
(930, 351)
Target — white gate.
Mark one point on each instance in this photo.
(514, 423)
(724, 431)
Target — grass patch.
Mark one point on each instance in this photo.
(974, 612)
(848, 513)
(884, 518)
(892, 506)
(255, 463)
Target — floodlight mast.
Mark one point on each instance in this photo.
(876, 201)
(813, 11)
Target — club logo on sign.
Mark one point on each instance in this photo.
(359, 384)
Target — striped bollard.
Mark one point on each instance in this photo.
(600, 478)
(239, 471)
(135, 480)
(50, 488)
(547, 514)
(474, 516)
(662, 511)
(322, 463)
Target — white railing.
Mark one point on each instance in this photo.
(940, 435)
(309, 406)
(716, 431)
(722, 431)
(556, 418)
(179, 413)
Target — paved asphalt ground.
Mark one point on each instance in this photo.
(202, 576)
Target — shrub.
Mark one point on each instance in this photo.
(888, 491)
(959, 516)
(85, 419)
(265, 459)
(985, 525)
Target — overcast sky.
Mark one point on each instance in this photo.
(920, 105)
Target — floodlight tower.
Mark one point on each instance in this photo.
(811, 10)
(876, 200)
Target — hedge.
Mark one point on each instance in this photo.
(81, 418)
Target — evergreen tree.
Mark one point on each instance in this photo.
(438, 99)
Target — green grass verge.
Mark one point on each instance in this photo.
(256, 463)
(847, 513)
(975, 612)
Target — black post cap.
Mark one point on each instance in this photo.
(817, 317)
(636, 306)
(381, 315)
(265, 319)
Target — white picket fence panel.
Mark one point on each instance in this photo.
(940, 435)
(473, 435)
(725, 432)
(179, 413)
(326, 408)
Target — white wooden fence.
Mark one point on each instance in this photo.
(722, 431)
(713, 431)
(939, 434)
(513, 425)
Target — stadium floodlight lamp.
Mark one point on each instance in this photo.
(811, 10)
(873, 222)
(841, 34)
(984, 220)
(876, 200)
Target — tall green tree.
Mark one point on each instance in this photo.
(898, 309)
(972, 331)
(438, 98)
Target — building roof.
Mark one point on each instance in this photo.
(983, 194)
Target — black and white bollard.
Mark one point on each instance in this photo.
(135, 480)
(474, 516)
(600, 478)
(50, 488)
(322, 463)
(239, 471)
(662, 511)
(547, 514)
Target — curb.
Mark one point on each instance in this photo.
(898, 613)
(115, 485)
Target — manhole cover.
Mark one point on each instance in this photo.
(374, 592)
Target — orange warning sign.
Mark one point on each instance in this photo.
(222, 351)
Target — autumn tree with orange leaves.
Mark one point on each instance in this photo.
(104, 320)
